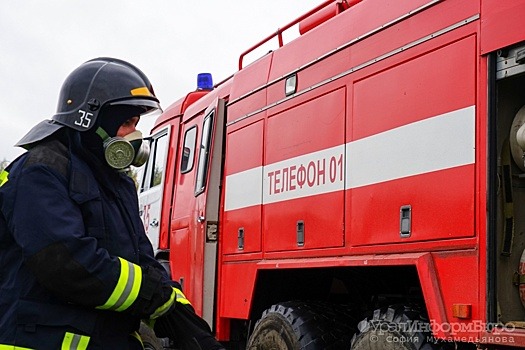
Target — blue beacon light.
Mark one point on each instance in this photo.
(204, 81)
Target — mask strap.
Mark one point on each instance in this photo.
(102, 133)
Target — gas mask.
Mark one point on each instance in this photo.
(121, 152)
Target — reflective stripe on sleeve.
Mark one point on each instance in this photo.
(176, 295)
(75, 342)
(161, 310)
(127, 288)
(3, 179)
(181, 298)
(12, 347)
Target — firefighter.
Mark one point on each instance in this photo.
(76, 268)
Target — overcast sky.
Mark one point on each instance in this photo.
(41, 42)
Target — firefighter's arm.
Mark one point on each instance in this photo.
(188, 329)
(49, 228)
(177, 319)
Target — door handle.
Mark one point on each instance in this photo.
(154, 223)
(200, 219)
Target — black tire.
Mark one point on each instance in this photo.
(299, 325)
(395, 327)
(149, 339)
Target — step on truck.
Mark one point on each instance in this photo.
(361, 186)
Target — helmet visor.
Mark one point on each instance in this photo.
(147, 105)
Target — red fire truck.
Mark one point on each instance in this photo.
(361, 186)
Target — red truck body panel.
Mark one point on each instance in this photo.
(389, 117)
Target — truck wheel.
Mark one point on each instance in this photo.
(149, 339)
(298, 325)
(395, 327)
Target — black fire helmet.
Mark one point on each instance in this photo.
(97, 83)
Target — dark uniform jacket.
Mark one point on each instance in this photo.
(73, 254)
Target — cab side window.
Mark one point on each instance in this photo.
(156, 165)
(159, 160)
(188, 152)
(204, 152)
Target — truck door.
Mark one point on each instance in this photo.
(151, 189)
(181, 248)
(196, 206)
